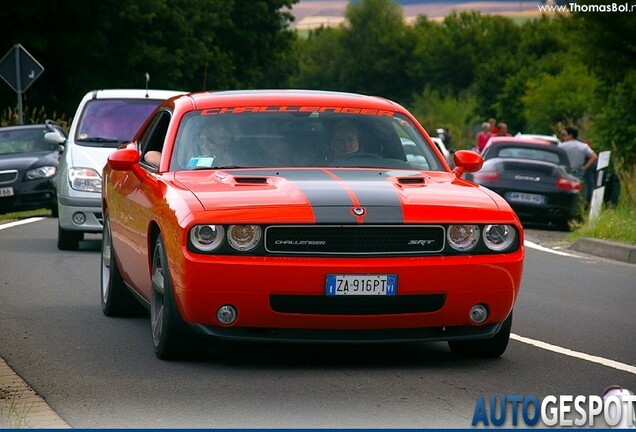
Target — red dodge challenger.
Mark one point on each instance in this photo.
(313, 216)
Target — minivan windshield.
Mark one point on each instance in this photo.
(110, 122)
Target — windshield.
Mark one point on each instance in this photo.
(24, 141)
(529, 153)
(110, 122)
(330, 137)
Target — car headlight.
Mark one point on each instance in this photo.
(40, 173)
(499, 237)
(463, 237)
(85, 179)
(244, 237)
(207, 238)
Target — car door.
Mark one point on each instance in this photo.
(141, 194)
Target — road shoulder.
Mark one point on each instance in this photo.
(21, 407)
(557, 240)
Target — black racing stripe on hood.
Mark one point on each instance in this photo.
(329, 200)
(375, 193)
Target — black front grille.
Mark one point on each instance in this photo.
(356, 305)
(359, 239)
(8, 176)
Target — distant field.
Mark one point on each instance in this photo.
(314, 13)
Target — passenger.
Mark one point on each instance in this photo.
(212, 148)
(215, 141)
(153, 157)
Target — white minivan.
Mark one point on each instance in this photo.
(104, 120)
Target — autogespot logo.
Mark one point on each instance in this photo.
(617, 410)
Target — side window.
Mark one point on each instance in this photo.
(151, 143)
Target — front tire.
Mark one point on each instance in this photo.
(485, 348)
(68, 240)
(171, 337)
(116, 299)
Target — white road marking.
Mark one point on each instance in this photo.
(529, 244)
(20, 222)
(576, 354)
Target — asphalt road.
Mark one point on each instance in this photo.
(99, 372)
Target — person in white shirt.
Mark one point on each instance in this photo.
(580, 155)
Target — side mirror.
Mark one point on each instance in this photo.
(123, 159)
(55, 138)
(466, 161)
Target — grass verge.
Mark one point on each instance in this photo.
(13, 216)
(613, 224)
(14, 414)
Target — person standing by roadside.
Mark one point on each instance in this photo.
(493, 126)
(502, 130)
(580, 155)
(483, 136)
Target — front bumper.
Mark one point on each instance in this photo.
(90, 207)
(30, 195)
(202, 284)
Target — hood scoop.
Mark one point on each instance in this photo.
(411, 180)
(250, 180)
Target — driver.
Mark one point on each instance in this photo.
(345, 140)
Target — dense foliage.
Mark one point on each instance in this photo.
(182, 44)
(536, 75)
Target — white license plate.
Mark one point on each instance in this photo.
(361, 284)
(6, 191)
(526, 198)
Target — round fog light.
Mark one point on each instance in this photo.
(478, 313)
(79, 218)
(226, 314)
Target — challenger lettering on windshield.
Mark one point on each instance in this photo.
(296, 109)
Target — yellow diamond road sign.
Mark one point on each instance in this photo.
(19, 69)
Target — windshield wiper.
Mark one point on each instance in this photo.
(101, 140)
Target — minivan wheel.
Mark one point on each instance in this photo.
(68, 240)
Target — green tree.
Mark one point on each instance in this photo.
(535, 47)
(434, 109)
(183, 44)
(368, 54)
(607, 41)
(319, 57)
(566, 97)
(378, 46)
(509, 105)
(614, 128)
